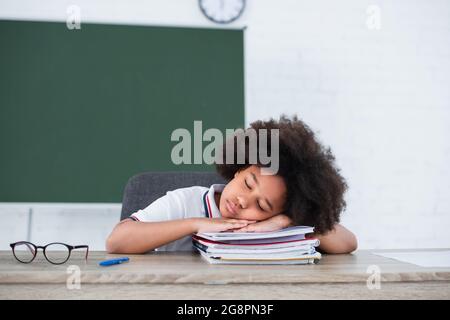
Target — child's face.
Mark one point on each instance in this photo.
(253, 196)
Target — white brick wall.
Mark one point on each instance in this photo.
(379, 98)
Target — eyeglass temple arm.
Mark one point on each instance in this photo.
(82, 247)
(30, 247)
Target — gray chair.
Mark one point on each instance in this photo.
(144, 188)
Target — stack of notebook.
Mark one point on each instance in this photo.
(286, 246)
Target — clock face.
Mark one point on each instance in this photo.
(222, 11)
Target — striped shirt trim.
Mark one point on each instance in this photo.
(206, 205)
(134, 218)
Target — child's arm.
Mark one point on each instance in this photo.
(131, 236)
(338, 240)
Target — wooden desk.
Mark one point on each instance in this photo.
(186, 276)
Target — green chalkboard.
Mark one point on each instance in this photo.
(81, 111)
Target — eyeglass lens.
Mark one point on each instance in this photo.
(57, 253)
(24, 252)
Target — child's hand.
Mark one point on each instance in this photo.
(219, 224)
(275, 223)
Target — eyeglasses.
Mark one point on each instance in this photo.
(55, 252)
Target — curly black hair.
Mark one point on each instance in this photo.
(315, 188)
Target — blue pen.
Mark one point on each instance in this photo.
(113, 261)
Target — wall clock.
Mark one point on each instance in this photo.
(222, 11)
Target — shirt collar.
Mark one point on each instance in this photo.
(209, 202)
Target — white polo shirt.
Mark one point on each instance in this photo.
(183, 203)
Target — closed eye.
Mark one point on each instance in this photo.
(260, 207)
(248, 186)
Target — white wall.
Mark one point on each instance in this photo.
(379, 98)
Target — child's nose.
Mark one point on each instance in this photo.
(242, 202)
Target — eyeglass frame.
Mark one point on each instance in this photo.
(69, 247)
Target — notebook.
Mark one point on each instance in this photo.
(257, 243)
(298, 231)
(286, 246)
(306, 259)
